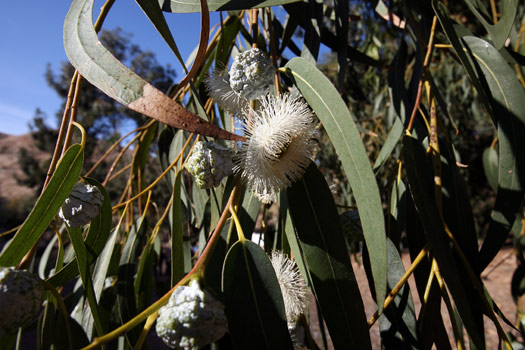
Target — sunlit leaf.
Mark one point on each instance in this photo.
(95, 63)
(340, 126)
(60, 185)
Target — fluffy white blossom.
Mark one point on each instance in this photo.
(82, 205)
(21, 297)
(218, 84)
(293, 286)
(252, 74)
(209, 163)
(191, 319)
(278, 147)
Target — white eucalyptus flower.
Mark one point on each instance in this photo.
(279, 145)
(252, 74)
(209, 163)
(293, 286)
(191, 319)
(218, 84)
(82, 205)
(21, 297)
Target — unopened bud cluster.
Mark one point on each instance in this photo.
(21, 297)
(191, 319)
(252, 74)
(82, 205)
(209, 163)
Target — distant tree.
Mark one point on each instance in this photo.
(101, 116)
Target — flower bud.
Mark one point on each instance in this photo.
(21, 297)
(209, 163)
(82, 205)
(252, 74)
(191, 319)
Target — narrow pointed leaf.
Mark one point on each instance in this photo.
(46, 207)
(253, 301)
(340, 126)
(95, 63)
(75, 235)
(420, 183)
(320, 234)
(507, 96)
(499, 31)
(177, 244)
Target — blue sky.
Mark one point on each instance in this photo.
(32, 38)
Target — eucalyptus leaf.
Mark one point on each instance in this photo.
(499, 31)
(253, 302)
(340, 126)
(333, 282)
(96, 64)
(507, 96)
(46, 207)
(420, 183)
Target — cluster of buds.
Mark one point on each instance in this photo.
(209, 163)
(191, 319)
(21, 297)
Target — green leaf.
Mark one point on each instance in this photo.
(75, 235)
(60, 185)
(127, 299)
(97, 236)
(152, 9)
(499, 31)
(100, 274)
(301, 13)
(253, 302)
(182, 6)
(420, 183)
(177, 247)
(340, 126)
(398, 324)
(319, 232)
(507, 96)
(490, 166)
(95, 63)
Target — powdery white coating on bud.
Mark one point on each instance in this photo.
(209, 163)
(293, 286)
(191, 319)
(278, 147)
(82, 205)
(252, 74)
(21, 297)
(218, 85)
